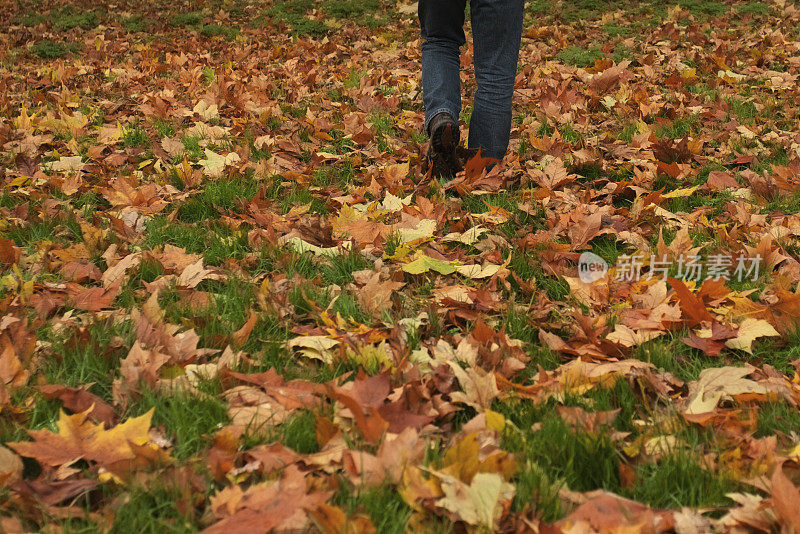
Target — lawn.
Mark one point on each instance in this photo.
(232, 300)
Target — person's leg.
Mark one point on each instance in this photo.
(442, 30)
(496, 34)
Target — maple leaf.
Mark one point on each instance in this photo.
(194, 273)
(629, 337)
(481, 503)
(301, 246)
(711, 341)
(94, 298)
(424, 263)
(116, 273)
(77, 438)
(375, 294)
(719, 383)
(749, 331)
(265, 506)
(368, 420)
(12, 373)
(692, 307)
(785, 499)
(719, 181)
(214, 164)
(604, 511)
(67, 163)
(479, 387)
(316, 347)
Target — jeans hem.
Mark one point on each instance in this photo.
(436, 112)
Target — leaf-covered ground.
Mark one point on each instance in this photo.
(231, 299)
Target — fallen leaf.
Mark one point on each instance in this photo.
(10, 468)
(77, 438)
(748, 332)
(424, 263)
(481, 503)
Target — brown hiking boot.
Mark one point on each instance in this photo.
(445, 136)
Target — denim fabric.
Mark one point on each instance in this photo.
(496, 32)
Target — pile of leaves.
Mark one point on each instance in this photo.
(231, 300)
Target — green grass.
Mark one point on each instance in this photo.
(756, 9)
(670, 354)
(528, 267)
(67, 19)
(153, 509)
(583, 461)
(777, 418)
(217, 30)
(383, 505)
(292, 13)
(135, 24)
(704, 8)
(679, 480)
(679, 128)
(164, 128)
(30, 19)
(225, 195)
(90, 357)
(53, 50)
(192, 148)
(299, 434)
(193, 18)
(580, 57)
(361, 11)
(134, 136)
(189, 420)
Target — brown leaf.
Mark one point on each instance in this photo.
(368, 421)
(195, 273)
(10, 468)
(94, 298)
(333, 520)
(81, 400)
(607, 512)
(785, 499)
(693, 309)
(265, 506)
(241, 336)
(9, 252)
(720, 180)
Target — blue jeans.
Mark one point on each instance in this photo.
(496, 31)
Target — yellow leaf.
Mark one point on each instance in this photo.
(425, 263)
(214, 164)
(683, 192)
(481, 503)
(478, 271)
(495, 421)
(422, 231)
(718, 383)
(79, 438)
(206, 111)
(315, 347)
(749, 330)
(300, 246)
